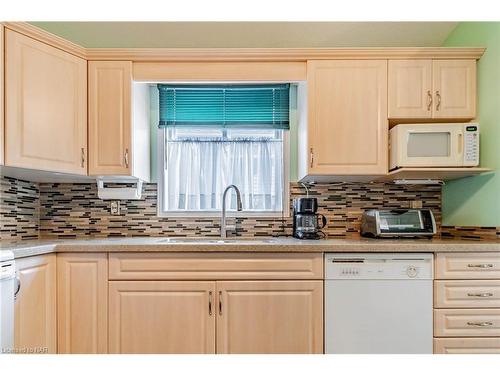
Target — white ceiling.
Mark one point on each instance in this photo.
(251, 34)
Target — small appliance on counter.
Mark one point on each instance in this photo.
(398, 223)
(307, 224)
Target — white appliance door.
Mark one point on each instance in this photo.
(437, 145)
(378, 316)
(6, 314)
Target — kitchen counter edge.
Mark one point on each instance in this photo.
(38, 247)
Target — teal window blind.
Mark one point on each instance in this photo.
(236, 106)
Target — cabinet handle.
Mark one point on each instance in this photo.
(311, 154)
(480, 324)
(484, 295)
(483, 265)
(83, 157)
(438, 104)
(210, 303)
(220, 303)
(125, 157)
(429, 100)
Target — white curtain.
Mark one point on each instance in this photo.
(198, 171)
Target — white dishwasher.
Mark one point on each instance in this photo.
(378, 303)
(7, 294)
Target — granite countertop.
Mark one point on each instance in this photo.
(281, 244)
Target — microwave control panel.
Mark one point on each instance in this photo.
(471, 149)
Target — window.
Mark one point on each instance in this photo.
(239, 146)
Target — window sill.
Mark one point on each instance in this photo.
(229, 214)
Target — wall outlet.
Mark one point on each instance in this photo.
(415, 204)
(115, 207)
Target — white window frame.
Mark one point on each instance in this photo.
(161, 159)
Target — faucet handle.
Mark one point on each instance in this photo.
(231, 228)
(231, 225)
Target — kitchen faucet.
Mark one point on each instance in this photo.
(223, 226)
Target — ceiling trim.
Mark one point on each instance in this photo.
(279, 54)
(242, 54)
(47, 38)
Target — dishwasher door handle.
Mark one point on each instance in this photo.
(18, 286)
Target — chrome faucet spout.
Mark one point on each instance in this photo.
(239, 207)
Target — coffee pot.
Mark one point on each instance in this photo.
(307, 224)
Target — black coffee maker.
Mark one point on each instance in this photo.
(307, 224)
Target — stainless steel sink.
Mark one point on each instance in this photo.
(201, 240)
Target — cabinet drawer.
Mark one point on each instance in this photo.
(467, 266)
(214, 266)
(466, 322)
(490, 345)
(467, 293)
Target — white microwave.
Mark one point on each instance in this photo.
(434, 145)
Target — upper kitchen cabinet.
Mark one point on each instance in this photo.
(118, 121)
(347, 123)
(454, 86)
(410, 89)
(45, 107)
(432, 89)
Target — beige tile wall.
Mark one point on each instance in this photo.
(30, 210)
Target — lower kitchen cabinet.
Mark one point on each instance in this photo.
(466, 322)
(82, 303)
(162, 317)
(270, 317)
(482, 345)
(466, 303)
(35, 306)
(216, 317)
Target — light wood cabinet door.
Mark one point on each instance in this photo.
(45, 107)
(467, 266)
(410, 89)
(454, 86)
(175, 317)
(347, 109)
(35, 306)
(215, 266)
(483, 345)
(82, 303)
(270, 317)
(110, 85)
(466, 322)
(466, 293)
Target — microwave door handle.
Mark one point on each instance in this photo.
(460, 144)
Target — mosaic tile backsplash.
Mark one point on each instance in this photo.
(74, 210)
(19, 209)
(471, 233)
(30, 210)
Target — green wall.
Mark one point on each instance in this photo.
(475, 201)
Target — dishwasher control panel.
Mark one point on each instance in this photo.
(378, 266)
(7, 269)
